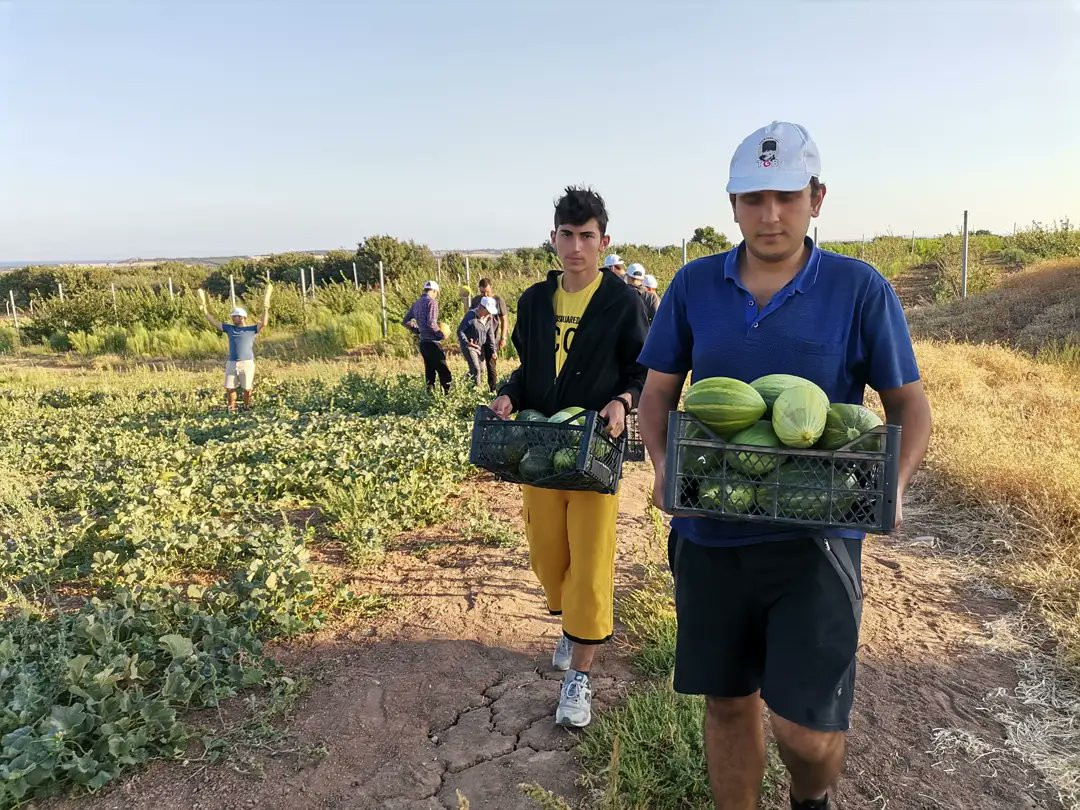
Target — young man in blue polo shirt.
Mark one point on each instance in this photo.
(770, 613)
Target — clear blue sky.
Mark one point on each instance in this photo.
(153, 128)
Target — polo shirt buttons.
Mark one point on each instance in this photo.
(755, 324)
(749, 303)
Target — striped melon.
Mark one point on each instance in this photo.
(724, 404)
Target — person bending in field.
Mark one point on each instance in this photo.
(476, 337)
(240, 367)
(422, 320)
(578, 334)
(502, 329)
(770, 613)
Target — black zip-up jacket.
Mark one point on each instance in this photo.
(602, 362)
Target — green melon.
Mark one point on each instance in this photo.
(802, 488)
(724, 404)
(699, 461)
(773, 385)
(536, 464)
(845, 423)
(565, 460)
(759, 434)
(566, 414)
(738, 498)
(798, 416)
(529, 415)
(512, 453)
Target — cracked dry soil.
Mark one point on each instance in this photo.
(452, 690)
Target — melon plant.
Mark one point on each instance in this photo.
(773, 385)
(799, 415)
(724, 404)
(845, 423)
(759, 434)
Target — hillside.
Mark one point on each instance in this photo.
(1030, 310)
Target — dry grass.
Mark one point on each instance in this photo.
(1030, 310)
(1006, 444)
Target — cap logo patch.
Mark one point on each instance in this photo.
(767, 153)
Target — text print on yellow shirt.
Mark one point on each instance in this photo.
(569, 307)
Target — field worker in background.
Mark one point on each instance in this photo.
(616, 265)
(649, 296)
(502, 328)
(635, 274)
(476, 337)
(771, 613)
(578, 334)
(422, 319)
(240, 367)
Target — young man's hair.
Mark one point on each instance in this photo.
(578, 205)
(484, 282)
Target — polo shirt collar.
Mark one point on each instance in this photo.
(803, 280)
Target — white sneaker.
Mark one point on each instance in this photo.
(575, 701)
(560, 659)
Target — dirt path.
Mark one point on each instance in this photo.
(452, 690)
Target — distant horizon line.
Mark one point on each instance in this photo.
(221, 258)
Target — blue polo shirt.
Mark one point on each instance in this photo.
(241, 340)
(837, 323)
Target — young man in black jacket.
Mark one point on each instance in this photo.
(578, 335)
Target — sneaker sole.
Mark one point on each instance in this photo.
(566, 722)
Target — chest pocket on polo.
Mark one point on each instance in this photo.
(820, 361)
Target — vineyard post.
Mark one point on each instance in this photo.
(303, 285)
(60, 288)
(14, 311)
(684, 252)
(382, 295)
(438, 269)
(964, 260)
(232, 291)
(172, 295)
(312, 278)
(913, 242)
(116, 315)
(815, 235)
(31, 307)
(468, 275)
(355, 278)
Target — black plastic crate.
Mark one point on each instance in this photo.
(635, 445)
(499, 445)
(850, 488)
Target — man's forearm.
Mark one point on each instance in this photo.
(915, 422)
(653, 423)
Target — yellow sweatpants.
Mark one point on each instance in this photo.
(572, 552)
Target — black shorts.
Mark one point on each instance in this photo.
(781, 617)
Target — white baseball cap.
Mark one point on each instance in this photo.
(490, 304)
(636, 270)
(613, 259)
(431, 285)
(650, 282)
(238, 311)
(779, 157)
